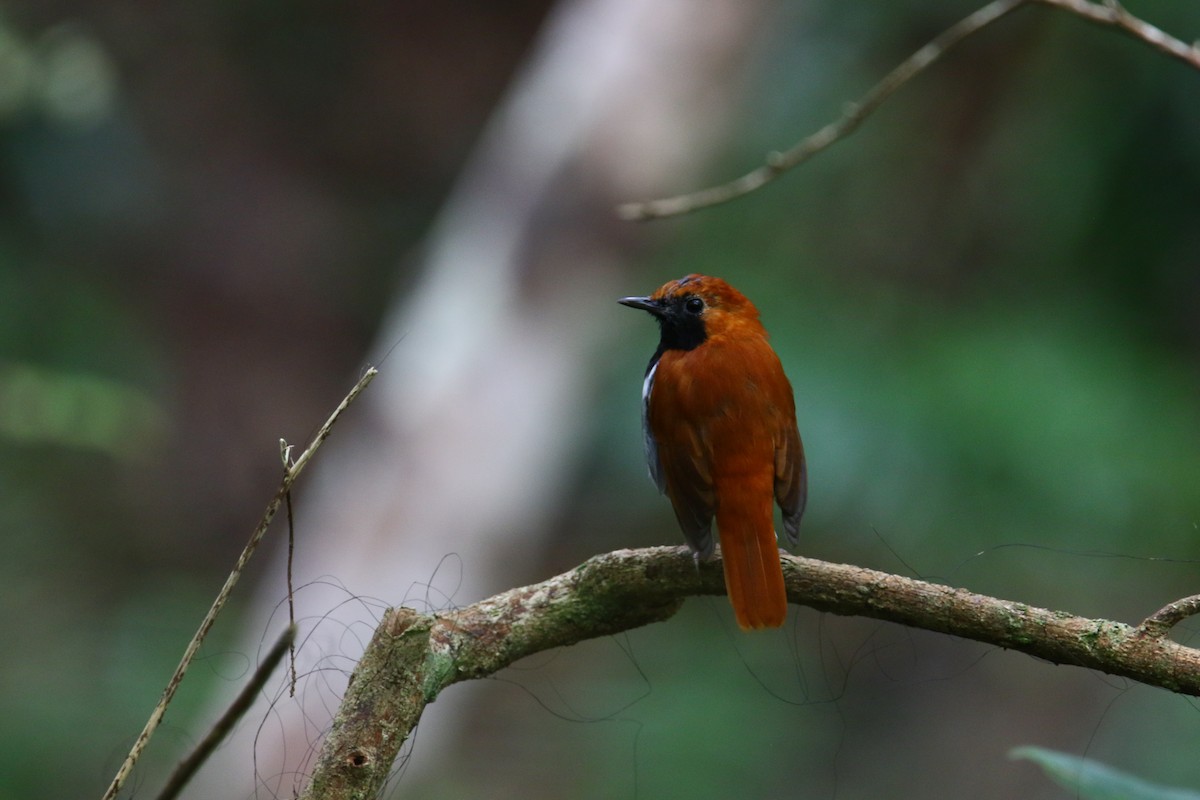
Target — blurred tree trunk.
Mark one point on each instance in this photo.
(450, 470)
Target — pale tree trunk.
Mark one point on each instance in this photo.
(446, 475)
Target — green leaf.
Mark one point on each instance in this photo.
(1091, 780)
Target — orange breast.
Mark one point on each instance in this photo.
(720, 413)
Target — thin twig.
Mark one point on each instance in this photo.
(1110, 14)
(285, 452)
(241, 704)
(1160, 622)
(1114, 15)
(219, 603)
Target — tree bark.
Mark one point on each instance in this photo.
(413, 657)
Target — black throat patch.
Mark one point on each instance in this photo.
(681, 328)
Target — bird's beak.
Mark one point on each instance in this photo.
(644, 303)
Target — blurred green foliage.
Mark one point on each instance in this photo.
(1091, 780)
(987, 300)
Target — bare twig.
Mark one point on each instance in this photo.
(285, 454)
(187, 768)
(852, 116)
(219, 603)
(1160, 622)
(1109, 13)
(1114, 15)
(413, 657)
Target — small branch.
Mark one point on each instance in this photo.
(219, 603)
(413, 657)
(1160, 622)
(852, 116)
(1110, 14)
(1114, 15)
(327, 428)
(285, 455)
(241, 704)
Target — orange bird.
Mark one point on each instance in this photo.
(721, 439)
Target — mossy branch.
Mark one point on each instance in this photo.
(413, 657)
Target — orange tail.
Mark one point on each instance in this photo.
(753, 575)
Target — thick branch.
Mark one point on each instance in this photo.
(413, 657)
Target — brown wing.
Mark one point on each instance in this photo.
(791, 479)
(689, 485)
(791, 473)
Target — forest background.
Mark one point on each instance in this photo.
(213, 217)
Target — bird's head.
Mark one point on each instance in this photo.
(694, 308)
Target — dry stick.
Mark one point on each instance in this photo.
(209, 618)
(285, 453)
(413, 657)
(1161, 621)
(241, 704)
(852, 116)
(1113, 14)
(1110, 14)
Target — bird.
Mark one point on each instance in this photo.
(720, 434)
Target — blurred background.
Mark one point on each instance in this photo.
(214, 216)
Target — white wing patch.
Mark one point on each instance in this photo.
(656, 470)
(646, 386)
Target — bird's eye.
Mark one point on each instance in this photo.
(694, 305)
